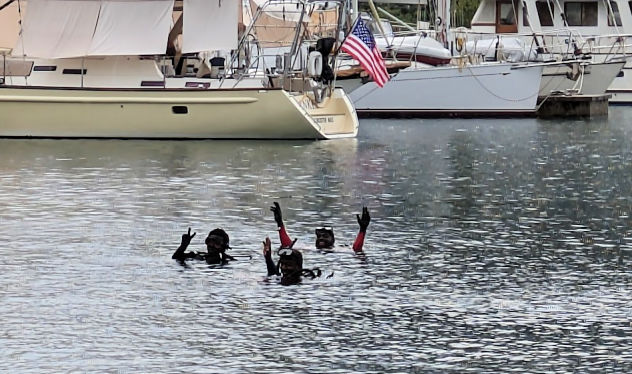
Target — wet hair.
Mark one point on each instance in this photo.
(220, 233)
(295, 257)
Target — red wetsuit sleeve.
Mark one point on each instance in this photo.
(286, 242)
(359, 242)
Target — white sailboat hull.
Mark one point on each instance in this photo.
(592, 78)
(166, 113)
(621, 87)
(490, 89)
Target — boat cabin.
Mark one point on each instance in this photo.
(586, 17)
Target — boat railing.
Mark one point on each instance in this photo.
(276, 44)
(542, 46)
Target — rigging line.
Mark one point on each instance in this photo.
(26, 78)
(497, 96)
(611, 16)
(579, 81)
(6, 4)
(525, 11)
(548, 5)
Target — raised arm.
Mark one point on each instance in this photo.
(286, 242)
(267, 254)
(186, 240)
(364, 223)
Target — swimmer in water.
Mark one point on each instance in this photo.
(325, 235)
(290, 265)
(216, 245)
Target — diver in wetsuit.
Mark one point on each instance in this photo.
(216, 246)
(324, 236)
(290, 265)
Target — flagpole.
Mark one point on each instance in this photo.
(353, 23)
(379, 25)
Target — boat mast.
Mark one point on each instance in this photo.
(443, 21)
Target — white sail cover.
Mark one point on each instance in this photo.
(76, 28)
(209, 25)
(132, 27)
(57, 28)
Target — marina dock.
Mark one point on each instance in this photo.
(585, 106)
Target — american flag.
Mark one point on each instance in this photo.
(360, 44)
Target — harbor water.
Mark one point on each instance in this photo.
(495, 246)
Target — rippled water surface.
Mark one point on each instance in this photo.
(495, 246)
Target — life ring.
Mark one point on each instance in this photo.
(315, 64)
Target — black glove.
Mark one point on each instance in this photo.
(267, 248)
(364, 220)
(186, 238)
(277, 214)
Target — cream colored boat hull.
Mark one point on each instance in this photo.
(170, 114)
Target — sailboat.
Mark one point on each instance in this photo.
(463, 89)
(165, 69)
(580, 43)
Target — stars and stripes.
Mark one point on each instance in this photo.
(360, 44)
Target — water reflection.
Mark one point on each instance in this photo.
(495, 246)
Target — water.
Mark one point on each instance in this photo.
(495, 246)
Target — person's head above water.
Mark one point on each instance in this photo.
(290, 261)
(217, 240)
(325, 237)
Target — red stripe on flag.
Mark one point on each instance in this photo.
(371, 60)
(382, 66)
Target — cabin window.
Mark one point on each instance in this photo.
(44, 68)
(581, 13)
(544, 13)
(614, 17)
(152, 83)
(507, 16)
(74, 71)
(205, 85)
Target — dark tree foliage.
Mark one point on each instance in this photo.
(462, 12)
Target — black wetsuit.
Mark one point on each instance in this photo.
(215, 257)
(290, 278)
